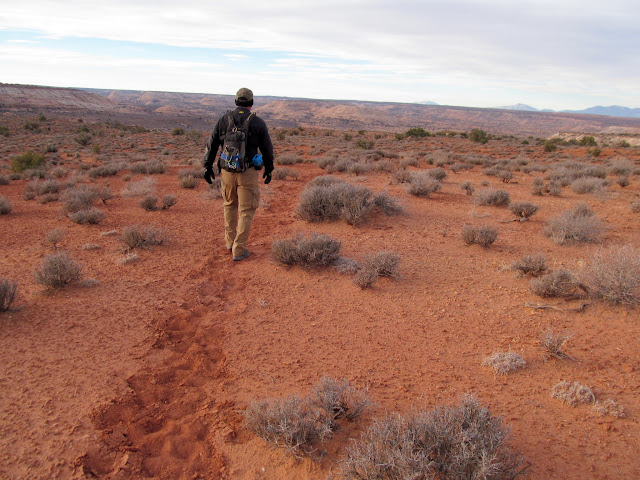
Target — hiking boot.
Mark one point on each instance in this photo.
(242, 257)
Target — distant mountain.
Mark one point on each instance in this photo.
(427, 102)
(613, 111)
(520, 106)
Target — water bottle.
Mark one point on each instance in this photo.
(257, 161)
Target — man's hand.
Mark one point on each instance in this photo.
(267, 176)
(209, 176)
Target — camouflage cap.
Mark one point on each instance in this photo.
(244, 95)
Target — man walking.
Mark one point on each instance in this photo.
(240, 133)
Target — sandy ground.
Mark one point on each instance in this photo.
(147, 374)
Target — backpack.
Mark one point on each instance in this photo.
(235, 145)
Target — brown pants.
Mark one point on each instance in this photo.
(241, 196)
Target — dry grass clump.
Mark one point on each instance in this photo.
(534, 265)
(55, 236)
(339, 399)
(422, 184)
(573, 394)
(169, 201)
(484, 235)
(140, 188)
(553, 343)
(78, 198)
(8, 291)
(332, 200)
(579, 225)
(297, 424)
(523, 210)
(437, 173)
(467, 187)
(129, 258)
(283, 173)
(559, 283)
(387, 204)
(58, 270)
(317, 250)
(614, 275)
(588, 185)
(5, 206)
(381, 264)
(609, 407)
(504, 362)
(149, 203)
(324, 181)
(134, 236)
(635, 206)
(150, 167)
(91, 216)
(488, 196)
(458, 442)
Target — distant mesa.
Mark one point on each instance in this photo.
(522, 107)
(427, 102)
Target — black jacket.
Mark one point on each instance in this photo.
(258, 139)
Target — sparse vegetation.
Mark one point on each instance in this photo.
(504, 362)
(579, 225)
(523, 210)
(496, 198)
(484, 235)
(534, 265)
(58, 270)
(609, 407)
(5, 206)
(614, 275)
(8, 292)
(26, 161)
(55, 236)
(91, 216)
(573, 394)
(553, 344)
(339, 399)
(314, 251)
(168, 201)
(559, 283)
(421, 184)
(149, 203)
(479, 136)
(134, 236)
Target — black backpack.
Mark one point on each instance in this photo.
(234, 147)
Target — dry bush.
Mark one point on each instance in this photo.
(448, 443)
(534, 265)
(483, 236)
(423, 185)
(324, 181)
(78, 198)
(284, 173)
(523, 210)
(4, 180)
(623, 181)
(504, 362)
(91, 216)
(573, 394)
(129, 258)
(497, 198)
(384, 264)
(5, 206)
(559, 283)
(467, 187)
(346, 265)
(357, 205)
(553, 344)
(55, 236)
(315, 251)
(614, 275)
(140, 188)
(579, 225)
(134, 236)
(189, 182)
(609, 407)
(58, 270)
(168, 201)
(621, 166)
(365, 278)
(151, 167)
(339, 399)
(49, 197)
(402, 176)
(587, 185)
(387, 204)
(635, 206)
(8, 291)
(437, 173)
(291, 423)
(49, 186)
(149, 203)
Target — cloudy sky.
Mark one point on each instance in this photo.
(557, 54)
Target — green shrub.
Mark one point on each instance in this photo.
(588, 141)
(177, 131)
(479, 136)
(417, 132)
(26, 161)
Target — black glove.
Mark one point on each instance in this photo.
(209, 176)
(267, 176)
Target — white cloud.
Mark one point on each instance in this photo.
(564, 47)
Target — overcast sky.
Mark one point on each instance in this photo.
(557, 54)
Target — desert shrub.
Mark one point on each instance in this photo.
(504, 362)
(579, 225)
(58, 270)
(189, 182)
(587, 185)
(621, 167)
(479, 136)
(288, 160)
(90, 246)
(55, 236)
(534, 265)
(505, 176)
(553, 343)
(359, 168)
(609, 407)
(283, 173)
(177, 131)
(8, 291)
(5, 206)
(49, 186)
(448, 443)
(365, 277)
(402, 176)
(339, 399)
(168, 201)
(387, 204)
(623, 181)
(149, 168)
(423, 185)
(149, 203)
(346, 265)
(384, 264)
(437, 173)
(537, 187)
(317, 250)
(291, 423)
(614, 275)
(467, 187)
(4, 180)
(324, 181)
(523, 210)
(84, 139)
(483, 236)
(26, 161)
(573, 394)
(134, 236)
(492, 197)
(635, 206)
(145, 186)
(91, 216)
(128, 258)
(555, 189)
(559, 283)
(324, 162)
(78, 198)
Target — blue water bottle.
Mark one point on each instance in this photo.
(257, 161)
